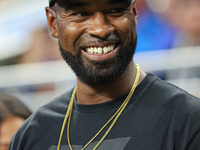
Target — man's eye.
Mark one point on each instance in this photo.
(117, 10)
(79, 14)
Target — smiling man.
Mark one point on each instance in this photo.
(115, 105)
(102, 37)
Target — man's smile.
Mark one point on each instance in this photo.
(101, 53)
(100, 50)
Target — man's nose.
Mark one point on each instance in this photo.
(99, 26)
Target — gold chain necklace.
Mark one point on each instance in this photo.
(114, 117)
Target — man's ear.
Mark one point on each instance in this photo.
(135, 12)
(52, 21)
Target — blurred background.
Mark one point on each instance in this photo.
(32, 69)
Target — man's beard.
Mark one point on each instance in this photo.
(95, 73)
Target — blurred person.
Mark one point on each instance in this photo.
(154, 31)
(13, 113)
(42, 48)
(115, 104)
(185, 16)
(179, 26)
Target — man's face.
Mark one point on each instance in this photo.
(96, 38)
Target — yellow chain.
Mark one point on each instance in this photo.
(115, 116)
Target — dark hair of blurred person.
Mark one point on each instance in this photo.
(13, 113)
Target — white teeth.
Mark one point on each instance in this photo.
(100, 50)
(88, 50)
(95, 50)
(91, 50)
(105, 49)
(109, 48)
(112, 47)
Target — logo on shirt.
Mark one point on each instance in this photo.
(112, 144)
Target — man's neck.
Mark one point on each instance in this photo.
(88, 95)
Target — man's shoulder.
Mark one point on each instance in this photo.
(173, 105)
(171, 94)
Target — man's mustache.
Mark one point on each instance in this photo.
(88, 39)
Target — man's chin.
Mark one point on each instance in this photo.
(96, 73)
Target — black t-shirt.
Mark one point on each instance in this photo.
(159, 116)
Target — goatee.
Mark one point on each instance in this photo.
(99, 73)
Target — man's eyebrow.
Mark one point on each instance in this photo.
(119, 1)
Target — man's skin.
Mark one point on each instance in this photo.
(84, 26)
